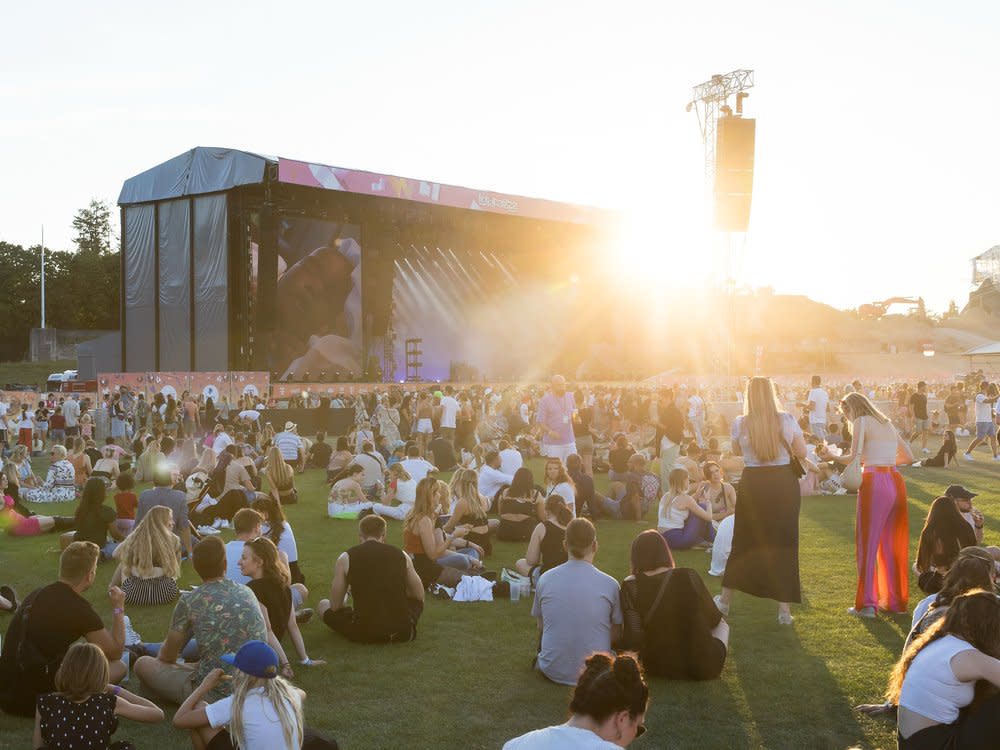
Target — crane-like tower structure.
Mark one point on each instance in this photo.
(709, 100)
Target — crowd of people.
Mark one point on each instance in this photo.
(733, 487)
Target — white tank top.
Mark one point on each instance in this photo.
(880, 443)
(930, 687)
(673, 518)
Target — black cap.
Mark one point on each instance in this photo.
(959, 492)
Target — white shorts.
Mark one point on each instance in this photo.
(558, 451)
(425, 426)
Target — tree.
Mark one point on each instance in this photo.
(93, 229)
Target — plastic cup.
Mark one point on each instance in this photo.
(515, 591)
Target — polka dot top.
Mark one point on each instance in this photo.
(67, 725)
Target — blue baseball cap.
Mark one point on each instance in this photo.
(255, 658)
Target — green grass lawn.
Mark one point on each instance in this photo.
(467, 680)
(32, 373)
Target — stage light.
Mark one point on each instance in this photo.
(290, 377)
(322, 376)
(305, 377)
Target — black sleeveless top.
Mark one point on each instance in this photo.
(483, 540)
(553, 551)
(377, 577)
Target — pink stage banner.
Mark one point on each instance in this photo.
(371, 183)
(109, 382)
(248, 382)
(167, 383)
(213, 385)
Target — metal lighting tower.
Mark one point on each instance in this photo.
(708, 100)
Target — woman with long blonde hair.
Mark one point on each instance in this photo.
(882, 530)
(764, 561)
(936, 677)
(280, 478)
(81, 462)
(263, 713)
(149, 560)
(468, 518)
(148, 460)
(435, 554)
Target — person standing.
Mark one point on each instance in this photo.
(918, 412)
(882, 531)
(764, 561)
(696, 416)
(71, 410)
(669, 434)
(985, 429)
(578, 608)
(449, 414)
(816, 402)
(555, 419)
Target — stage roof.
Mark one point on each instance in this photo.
(210, 170)
(984, 350)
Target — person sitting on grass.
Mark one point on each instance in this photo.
(947, 454)
(945, 533)
(403, 489)
(126, 502)
(437, 558)
(215, 615)
(48, 622)
(163, 493)
(320, 452)
(340, 459)
(468, 518)
(521, 508)
(271, 583)
(280, 478)
(936, 677)
(387, 593)
(347, 497)
(276, 528)
(547, 546)
(974, 570)
(94, 520)
(607, 710)
(578, 608)
(61, 480)
(264, 712)
(718, 494)
(84, 711)
(149, 560)
(683, 522)
(247, 525)
(670, 618)
(19, 521)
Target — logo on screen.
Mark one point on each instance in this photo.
(504, 204)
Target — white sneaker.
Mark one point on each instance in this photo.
(927, 450)
(723, 608)
(131, 637)
(217, 523)
(208, 531)
(996, 458)
(968, 457)
(224, 524)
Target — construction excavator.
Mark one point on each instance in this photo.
(876, 310)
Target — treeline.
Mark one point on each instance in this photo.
(81, 286)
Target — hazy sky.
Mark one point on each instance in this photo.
(877, 156)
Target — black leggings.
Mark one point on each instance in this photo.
(975, 730)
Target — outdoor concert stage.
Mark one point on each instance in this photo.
(234, 261)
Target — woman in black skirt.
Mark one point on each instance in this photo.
(765, 557)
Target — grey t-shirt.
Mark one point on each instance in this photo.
(578, 605)
(171, 498)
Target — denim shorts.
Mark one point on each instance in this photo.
(985, 429)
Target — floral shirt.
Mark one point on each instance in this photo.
(221, 616)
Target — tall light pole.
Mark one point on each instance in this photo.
(43, 276)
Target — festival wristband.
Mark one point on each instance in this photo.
(118, 611)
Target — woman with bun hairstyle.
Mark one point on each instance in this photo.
(606, 713)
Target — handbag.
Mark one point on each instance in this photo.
(850, 477)
(798, 470)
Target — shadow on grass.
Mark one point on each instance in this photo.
(771, 686)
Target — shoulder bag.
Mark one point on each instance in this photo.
(850, 477)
